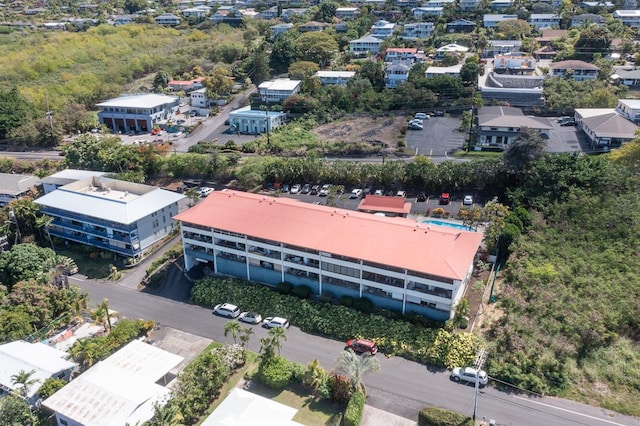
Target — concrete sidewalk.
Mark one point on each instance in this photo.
(375, 417)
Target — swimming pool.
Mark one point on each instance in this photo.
(449, 224)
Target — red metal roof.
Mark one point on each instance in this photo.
(400, 242)
(380, 203)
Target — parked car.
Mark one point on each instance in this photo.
(379, 192)
(469, 375)
(285, 187)
(227, 310)
(356, 193)
(204, 191)
(361, 346)
(414, 126)
(438, 113)
(273, 322)
(250, 317)
(422, 116)
(305, 188)
(445, 198)
(467, 200)
(366, 190)
(295, 189)
(193, 113)
(416, 121)
(315, 189)
(421, 197)
(563, 119)
(324, 191)
(568, 123)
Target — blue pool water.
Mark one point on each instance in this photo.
(449, 224)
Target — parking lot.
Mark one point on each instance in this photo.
(439, 137)
(566, 138)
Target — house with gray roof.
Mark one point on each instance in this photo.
(499, 126)
(65, 177)
(13, 186)
(125, 218)
(605, 128)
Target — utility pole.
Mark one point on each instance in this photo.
(48, 114)
(266, 120)
(479, 362)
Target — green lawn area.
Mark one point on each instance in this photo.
(477, 154)
(97, 268)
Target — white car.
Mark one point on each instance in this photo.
(250, 317)
(273, 322)
(295, 189)
(204, 191)
(469, 375)
(416, 121)
(422, 116)
(324, 191)
(467, 200)
(356, 193)
(227, 310)
(378, 192)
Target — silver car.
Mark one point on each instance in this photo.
(469, 375)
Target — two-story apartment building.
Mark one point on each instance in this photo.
(396, 73)
(125, 218)
(544, 20)
(501, 4)
(468, 4)
(630, 18)
(606, 128)
(423, 269)
(499, 126)
(340, 78)
(460, 26)
(312, 26)
(416, 31)
(365, 45)
(629, 109)
(197, 11)
(588, 19)
(137, 113)
(395, 54)
(492, 20)
(14, 186)
(278, 90)
(422, 12)
(382, 29)
(575, 69)
(501, 47)
(168, 20)
(347, 13)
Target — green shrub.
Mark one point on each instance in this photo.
(284, 288)
(326, 297)
(277, 373)
(298, 371)
(302, 291)
(363, 304)
(434, 416)
(353, 413)
(340, 389)
(346, 301)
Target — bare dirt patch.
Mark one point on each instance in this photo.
(383, 130)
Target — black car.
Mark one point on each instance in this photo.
(315, 189)
(305, 188)
(568, 123)
(421, 197)
(438, 114)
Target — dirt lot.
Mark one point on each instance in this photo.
(375, 130)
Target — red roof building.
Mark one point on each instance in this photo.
(390, 206)
(396, 262)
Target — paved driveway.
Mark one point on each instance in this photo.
(439, 138)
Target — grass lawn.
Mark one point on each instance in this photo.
(93, 268)
(477, 154)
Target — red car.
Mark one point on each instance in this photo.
(445, 198)
(361, 346)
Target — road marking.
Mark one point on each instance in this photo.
(570, 411)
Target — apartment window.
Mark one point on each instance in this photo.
(342, 270)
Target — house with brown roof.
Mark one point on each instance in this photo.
(389, 206)
(605, 128)
(575, 69)
(499, 126)
(397, 263)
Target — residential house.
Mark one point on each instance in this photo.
(598, 4)
(588, 19)
(630, 18)
(42, 360)
(389, 206)
(545, 52)
(199, 100)
(138, 113)
(407, 4)
(65, 177)
(124, 19)
(122, 389)
(340, 78)
(228, 15)
(394, 54)
(365, 45)
(278, 29)
(629, 109)
(629, 76)
(248, 121)
(439, 3)
(544, 20)
(186, 85)
(468, 4)
(501, 47)
(125, 218)
(514, 63)
(422, 12)
(347, 13)
(287, 14)
(424, 269)
(243, 407)
(605, 128)
(197, 11)
(452, 71)
(168, 20)
(461, 26)
(499, 126)
(492, 21)
(341, 27)
(269, 14)
(416, 31)
(382, 29)
(278, 90)
(15, 186)
(577, 70)
(501, 4)
(396, 73)
(516, 90)
(451, 49)
(312, 26)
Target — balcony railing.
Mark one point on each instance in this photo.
(426, 289)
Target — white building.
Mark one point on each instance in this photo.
(14, 186)
(421, 12)
(499, 127)
(544, 20)
(405, 54)
(423, 269)
(198, 11)
(630, 18)
(577, 70)
(382, 29)
(417, 31)
(340, 78)
(629, 109)
(168, 19)
(139, 113)
(469, 4)
(396, 73)
(65, 177)
(199, 98)
(451, 48)
(492, 21)
(365, 45)
(122, 389)
(452, 71)
(278, 90)
(122, 217)
(347, 13)
(501, 4)
(278, 29)
(246, 120)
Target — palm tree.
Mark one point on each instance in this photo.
(166, 416)
(245, 334)
(234, 328)
(101, 314)
(44, 222)
(355, 367)
(25, 381)
(276, 334)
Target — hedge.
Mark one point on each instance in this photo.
(433, 416)
(277, 373)
(397, 337)
(353, 413)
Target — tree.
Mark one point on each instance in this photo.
(44, 222)
(133, 6)
(318, 47)
(592, 40)
(283, 51)
(258, 66)
(355, 367)
(514, 29)
(101, 314)
(277, 334)
(219, 83)
(302, 70)
(161, 80)
(50, 386)
(24, 381)
(15, 411)
(14, 110)
(326, 11)
(470, 70)
(245, 335)
(527, 147)
(26, 262)
(168, 415)
(374, 72)
(233, 328)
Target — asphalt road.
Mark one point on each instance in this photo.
(402, 387)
